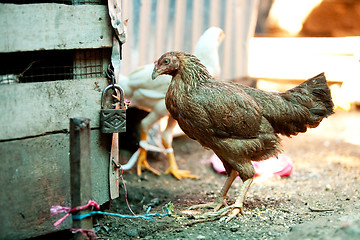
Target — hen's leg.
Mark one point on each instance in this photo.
(167, 138)
(246, 172)
(145, 125)
(237, 207)
(220, 201)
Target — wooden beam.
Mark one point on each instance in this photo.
(80, 170)
(37, 108)
(49, 26)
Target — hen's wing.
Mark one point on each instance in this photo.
(221, 110)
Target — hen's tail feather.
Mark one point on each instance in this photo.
(321, 95)
(314, 95)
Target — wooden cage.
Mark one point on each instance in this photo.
(53, 58)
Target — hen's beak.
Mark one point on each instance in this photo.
(154, 74)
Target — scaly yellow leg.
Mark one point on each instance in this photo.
(142, 161)
(237, 207)
(173, 167)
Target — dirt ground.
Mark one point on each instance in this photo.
(319, 200)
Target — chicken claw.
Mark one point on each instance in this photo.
(237, 208)
(174, 170)
(226, 213)
(219, 203)
(179, 174)
(143, 164)
(231, 212)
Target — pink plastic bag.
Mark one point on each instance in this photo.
(281, 166)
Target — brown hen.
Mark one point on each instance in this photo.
(237, 122)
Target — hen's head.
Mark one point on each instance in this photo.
(186, 64)
(168, 63)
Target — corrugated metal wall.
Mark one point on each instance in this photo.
(157, 26)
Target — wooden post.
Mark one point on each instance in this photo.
(114, 162)
(80, 171)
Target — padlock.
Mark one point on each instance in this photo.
(113, 120)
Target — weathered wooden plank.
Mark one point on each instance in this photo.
(80, 171)
(114, 176)
(35, 174)
(30, 109)
(30, 27)
(114, 163)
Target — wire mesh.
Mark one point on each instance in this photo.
(42, 66)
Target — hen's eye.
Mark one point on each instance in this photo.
(166, 61)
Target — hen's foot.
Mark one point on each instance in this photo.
(173, 167)
(237, 208)
(143, 164)
(179, 174)
(225, 214)
(215, 205)
(208, 216)
(230, 212)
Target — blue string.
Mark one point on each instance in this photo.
(147, 215)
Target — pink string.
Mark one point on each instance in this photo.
(59, 209)
(58, 222)
(126, 199)
(89, 234)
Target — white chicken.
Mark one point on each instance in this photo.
(149, 95)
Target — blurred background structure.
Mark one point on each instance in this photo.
(298, 39)
(155, 27)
